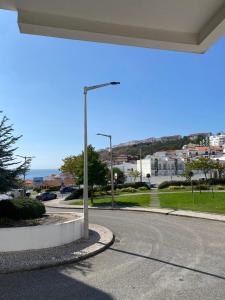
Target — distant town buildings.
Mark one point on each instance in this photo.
(170, 164)
(196, 136)
(53, 180)
(217, 140)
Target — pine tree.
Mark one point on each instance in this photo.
(10, 169)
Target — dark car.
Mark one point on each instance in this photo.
(46, 196)
(67, 189)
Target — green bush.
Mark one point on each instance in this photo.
(166, 184)
(21, 209)
(142, 188)
(202, 187)
(53, 189)
(213, 181)
(174, 187)
(77, 194)
(134, 185)
(128, 190)
(220, 187)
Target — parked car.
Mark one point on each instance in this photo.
(67, 189)
(5, 197)
(46, 196)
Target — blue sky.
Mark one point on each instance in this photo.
(161, 92)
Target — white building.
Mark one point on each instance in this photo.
(161, 166)
(217, 140)
(126, 167)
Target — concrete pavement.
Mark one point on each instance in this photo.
(154, 257)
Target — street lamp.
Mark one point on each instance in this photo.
(140, 164)
(111, 165)
(85, 195)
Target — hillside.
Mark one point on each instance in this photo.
(147, 148)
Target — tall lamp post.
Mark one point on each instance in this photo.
(85, 195)
(111, 165)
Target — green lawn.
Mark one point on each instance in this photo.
(202, 201)
(138, 200)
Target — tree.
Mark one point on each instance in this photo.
(204, 164)
(120, 175)
(220, 167)
(10, 169)
(188, 172)
(134, 174)
(69, 166)
(97, 171)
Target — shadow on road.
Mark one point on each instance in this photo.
(167, 263)
(50, 284)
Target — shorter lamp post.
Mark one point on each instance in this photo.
(111, 165)
(149, 177)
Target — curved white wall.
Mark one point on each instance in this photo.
(41, 236)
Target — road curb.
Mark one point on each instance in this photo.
(28, 259)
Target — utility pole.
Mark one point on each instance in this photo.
(27, 159)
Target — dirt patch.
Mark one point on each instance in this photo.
(45, 220)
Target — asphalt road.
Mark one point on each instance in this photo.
(154, 257)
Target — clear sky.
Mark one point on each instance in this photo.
(161, 92)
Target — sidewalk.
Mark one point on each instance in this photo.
(57, 203)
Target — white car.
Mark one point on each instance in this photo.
(5, 197)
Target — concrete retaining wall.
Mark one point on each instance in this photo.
(41, 236)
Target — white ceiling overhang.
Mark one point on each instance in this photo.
(183, 25)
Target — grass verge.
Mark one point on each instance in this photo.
(138, 200)
(204, 202)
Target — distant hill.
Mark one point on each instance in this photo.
(146, 148)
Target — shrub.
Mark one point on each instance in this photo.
(77, 194)
(21, 209)
(134, 185)
(220, 181)
(53, 189)
(202, 187)
(174, 187)
(128, 190)
(220, 187)
(142, 188)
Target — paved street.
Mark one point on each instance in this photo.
(154, 257)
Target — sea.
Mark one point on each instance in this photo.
(41, 173)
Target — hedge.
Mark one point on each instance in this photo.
(134, 185)
(78, 193)
(21, 209)
(53, 189)
(166, 184)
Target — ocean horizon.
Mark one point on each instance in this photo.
(32, 173)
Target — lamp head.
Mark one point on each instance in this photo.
(114, 82)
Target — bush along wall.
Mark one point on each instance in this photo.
(21, 209)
